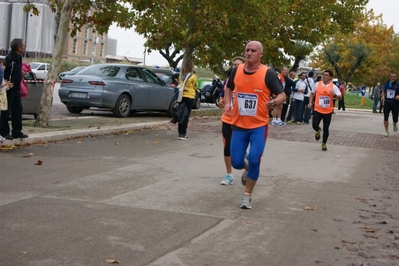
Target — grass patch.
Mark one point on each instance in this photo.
(207, 112)
(353, 100)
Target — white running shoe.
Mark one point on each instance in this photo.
(227, 180)
(246, 201)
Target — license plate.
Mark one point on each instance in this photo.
(78, 95)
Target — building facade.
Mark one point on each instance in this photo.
(39, 33)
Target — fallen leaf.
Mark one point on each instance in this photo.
(79, 142)
(39, 162)
(113, 261)
(23, 252)
(116, 143)
(29, 155)
(351, 248)
(309, 208)
(7, 147)
(368, 230)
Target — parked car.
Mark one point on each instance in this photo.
(71, 72)
(31, 103)
(40, 69)
(118, 87)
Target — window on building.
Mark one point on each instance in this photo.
(86, 32)
(75, 41)
(85, 47)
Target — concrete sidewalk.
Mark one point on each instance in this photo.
(93, 125)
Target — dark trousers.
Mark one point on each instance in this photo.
(376, 101)
(285, 108)
(341, 104)
(317, 117)
(296, 106)
(15, 109)
(306, 111)
(184, 123)
(391, 107)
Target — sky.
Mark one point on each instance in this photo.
(131, 44)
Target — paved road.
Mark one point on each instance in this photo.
(145, 198)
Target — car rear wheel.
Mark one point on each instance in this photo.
(217, 100)
(122, 107)
(197, 102)
(169, 112)
(74, 109)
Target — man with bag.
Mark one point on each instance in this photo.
(13, 73)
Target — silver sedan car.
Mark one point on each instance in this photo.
(117, 87)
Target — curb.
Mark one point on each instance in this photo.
(77, 133)
(54, 136)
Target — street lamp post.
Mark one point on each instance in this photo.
(93, 48)
(145, 51)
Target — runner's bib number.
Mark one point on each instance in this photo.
(324, 101)
(390, 94)
(247, 104)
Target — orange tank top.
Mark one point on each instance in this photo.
(250, 97)
(323, 101)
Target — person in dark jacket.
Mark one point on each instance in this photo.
(390, 97)
(289, 84)
(13, 74)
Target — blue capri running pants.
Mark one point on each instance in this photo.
(240, 140)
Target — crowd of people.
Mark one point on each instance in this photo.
(253, 92)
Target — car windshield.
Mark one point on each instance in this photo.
(101, 70)
(34, 65)
(162, 76)
(76, 69)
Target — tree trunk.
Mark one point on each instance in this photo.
(42, 119)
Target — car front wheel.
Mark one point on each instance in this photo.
(74, 109)
(122, 106)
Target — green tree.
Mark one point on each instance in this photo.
(73, 16)
(393, 62)
(213, 31)
(361, 56)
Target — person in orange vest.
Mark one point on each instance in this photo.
(226, 128)
(323, 96)
(252, 84)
